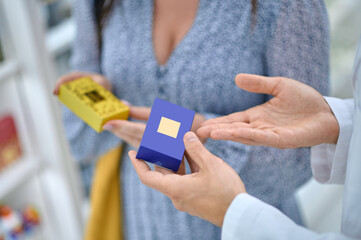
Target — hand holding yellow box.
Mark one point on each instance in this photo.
(92, 102)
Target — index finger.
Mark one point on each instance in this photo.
(205, 132)
(233, 117)
(140, 113)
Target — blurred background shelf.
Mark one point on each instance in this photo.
(35, 48)
(15, 175)
(60, 37)
(8, 69)
(345, 19)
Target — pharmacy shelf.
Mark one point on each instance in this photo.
(8, 69)
(17, 174)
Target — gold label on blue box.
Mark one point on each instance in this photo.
(168, 127)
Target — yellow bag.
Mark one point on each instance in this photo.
(105, 220)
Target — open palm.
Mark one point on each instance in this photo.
(297, 116)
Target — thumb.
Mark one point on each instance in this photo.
(195, 150)
(259, 84)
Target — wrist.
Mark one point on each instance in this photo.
(333, 129)
(237, 190)
(223, 215)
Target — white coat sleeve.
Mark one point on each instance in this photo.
(328, 161)
(250, 218)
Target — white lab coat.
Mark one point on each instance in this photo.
(250, 218)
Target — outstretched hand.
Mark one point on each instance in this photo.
(207, 192)
(297, 116)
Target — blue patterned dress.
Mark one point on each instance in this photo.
(289, 39)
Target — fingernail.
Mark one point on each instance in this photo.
(108, 127)
(190, 136)
(130, 153)
(126, 103)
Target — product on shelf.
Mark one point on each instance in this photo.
(11, 222)
(10, 149)
(18, 225)
(30, 218)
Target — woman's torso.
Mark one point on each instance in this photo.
(200, 68)
(199, 75)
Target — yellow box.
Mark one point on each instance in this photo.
(92, 102)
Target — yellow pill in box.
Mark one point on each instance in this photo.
(92, 102)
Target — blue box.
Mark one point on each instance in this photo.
(162, 142)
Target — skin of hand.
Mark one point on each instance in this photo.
(132, 132)
(207, 192)
(297, 116)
